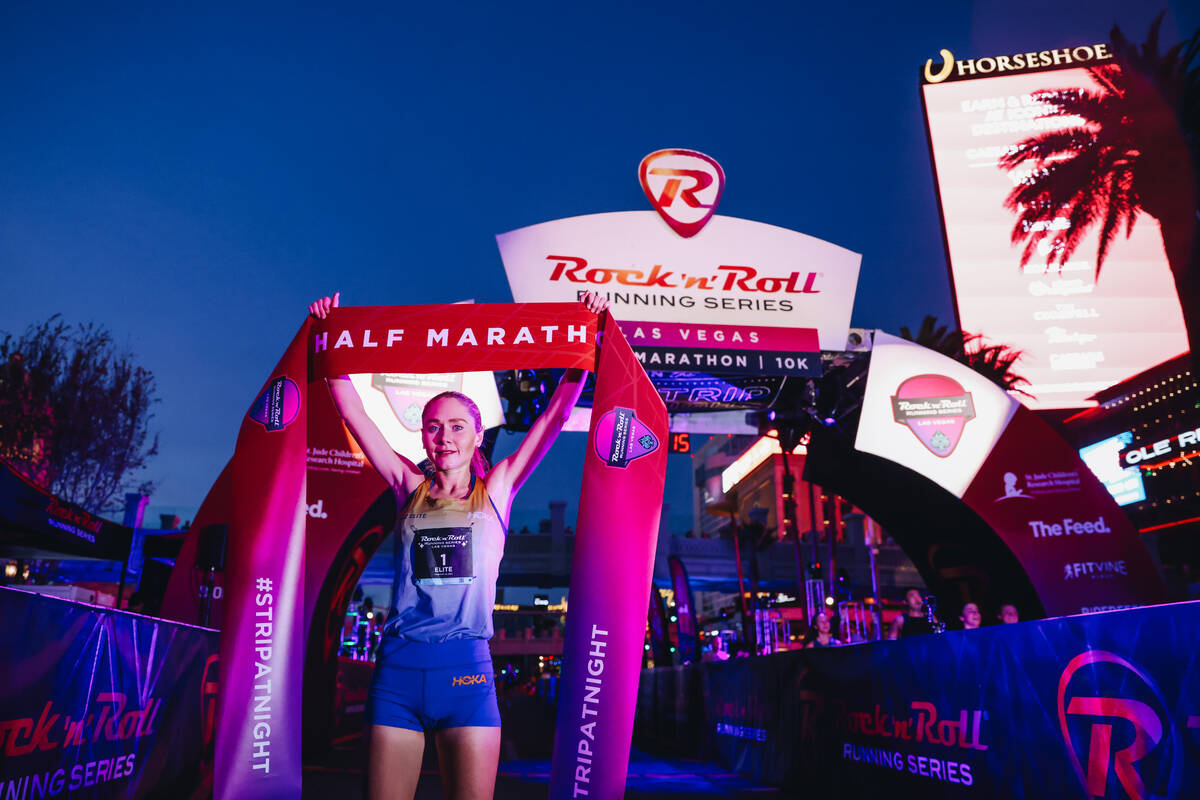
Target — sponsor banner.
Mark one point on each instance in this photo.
(942, 420)
(1101, 705)
(733, 272)
(305, 515)
(1079, 549)
(101, 704)
(39, 520)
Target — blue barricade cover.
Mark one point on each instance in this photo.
(1102, 705)
(96, 703)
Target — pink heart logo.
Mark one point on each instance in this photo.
(621, 437)
(684, 186)
(936, 409)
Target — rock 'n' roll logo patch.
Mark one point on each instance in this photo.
(278, 405)
(684, 186)
(936, 409)
(621, 437)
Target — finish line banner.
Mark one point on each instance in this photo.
(101, 704)
(264, 630)
(1101, 705)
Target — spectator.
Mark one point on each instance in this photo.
(823, 636)
(1008, 614)
(971, 618)
(914, 620)
(718, 649)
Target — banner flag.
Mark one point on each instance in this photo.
(658, 628)
(685, 612)
(274, 577)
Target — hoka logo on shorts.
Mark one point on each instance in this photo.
(468, 680)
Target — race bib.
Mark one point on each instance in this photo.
(442, 556)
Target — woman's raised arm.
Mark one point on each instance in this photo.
(400, 473)
(506, 478)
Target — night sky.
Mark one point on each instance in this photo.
(192, 177)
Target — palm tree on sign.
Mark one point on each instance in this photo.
(993, 361)
(1136, 149)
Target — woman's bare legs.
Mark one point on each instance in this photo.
(394, 764)
(469, 758)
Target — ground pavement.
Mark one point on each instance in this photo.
(525, 767)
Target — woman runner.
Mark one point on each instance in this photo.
(433, 669)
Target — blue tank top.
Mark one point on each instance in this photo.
(449, 560)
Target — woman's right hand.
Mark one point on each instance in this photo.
(320, 308)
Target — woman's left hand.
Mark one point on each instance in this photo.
(595, 303)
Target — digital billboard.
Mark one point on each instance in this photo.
(1104, 460)
(1029, 188)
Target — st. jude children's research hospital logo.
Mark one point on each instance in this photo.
(936, 409)
(621, 437)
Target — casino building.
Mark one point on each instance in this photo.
(1143, 441)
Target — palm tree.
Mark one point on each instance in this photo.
(993, 361)
(1140, 132)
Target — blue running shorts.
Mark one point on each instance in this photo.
(431, 687)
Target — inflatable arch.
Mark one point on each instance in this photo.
(288, 567)
(979, 491)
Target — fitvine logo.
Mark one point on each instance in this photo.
(1111, 714)
(936, 409)
(684, 186)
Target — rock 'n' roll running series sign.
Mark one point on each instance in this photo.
(697, 293)
(941, 419)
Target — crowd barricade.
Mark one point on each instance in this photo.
(1104, 704)
(100, 703)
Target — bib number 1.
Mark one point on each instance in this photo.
(443, 556)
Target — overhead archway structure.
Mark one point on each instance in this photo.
(288, 566)
(1012, 504)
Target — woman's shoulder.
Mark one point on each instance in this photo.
(409, 492)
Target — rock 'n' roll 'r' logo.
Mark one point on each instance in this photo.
(621, 437)
(684, 186)
(278, 405)
(1117, 730)
(936, 409)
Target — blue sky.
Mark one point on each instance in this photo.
(191, 176)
